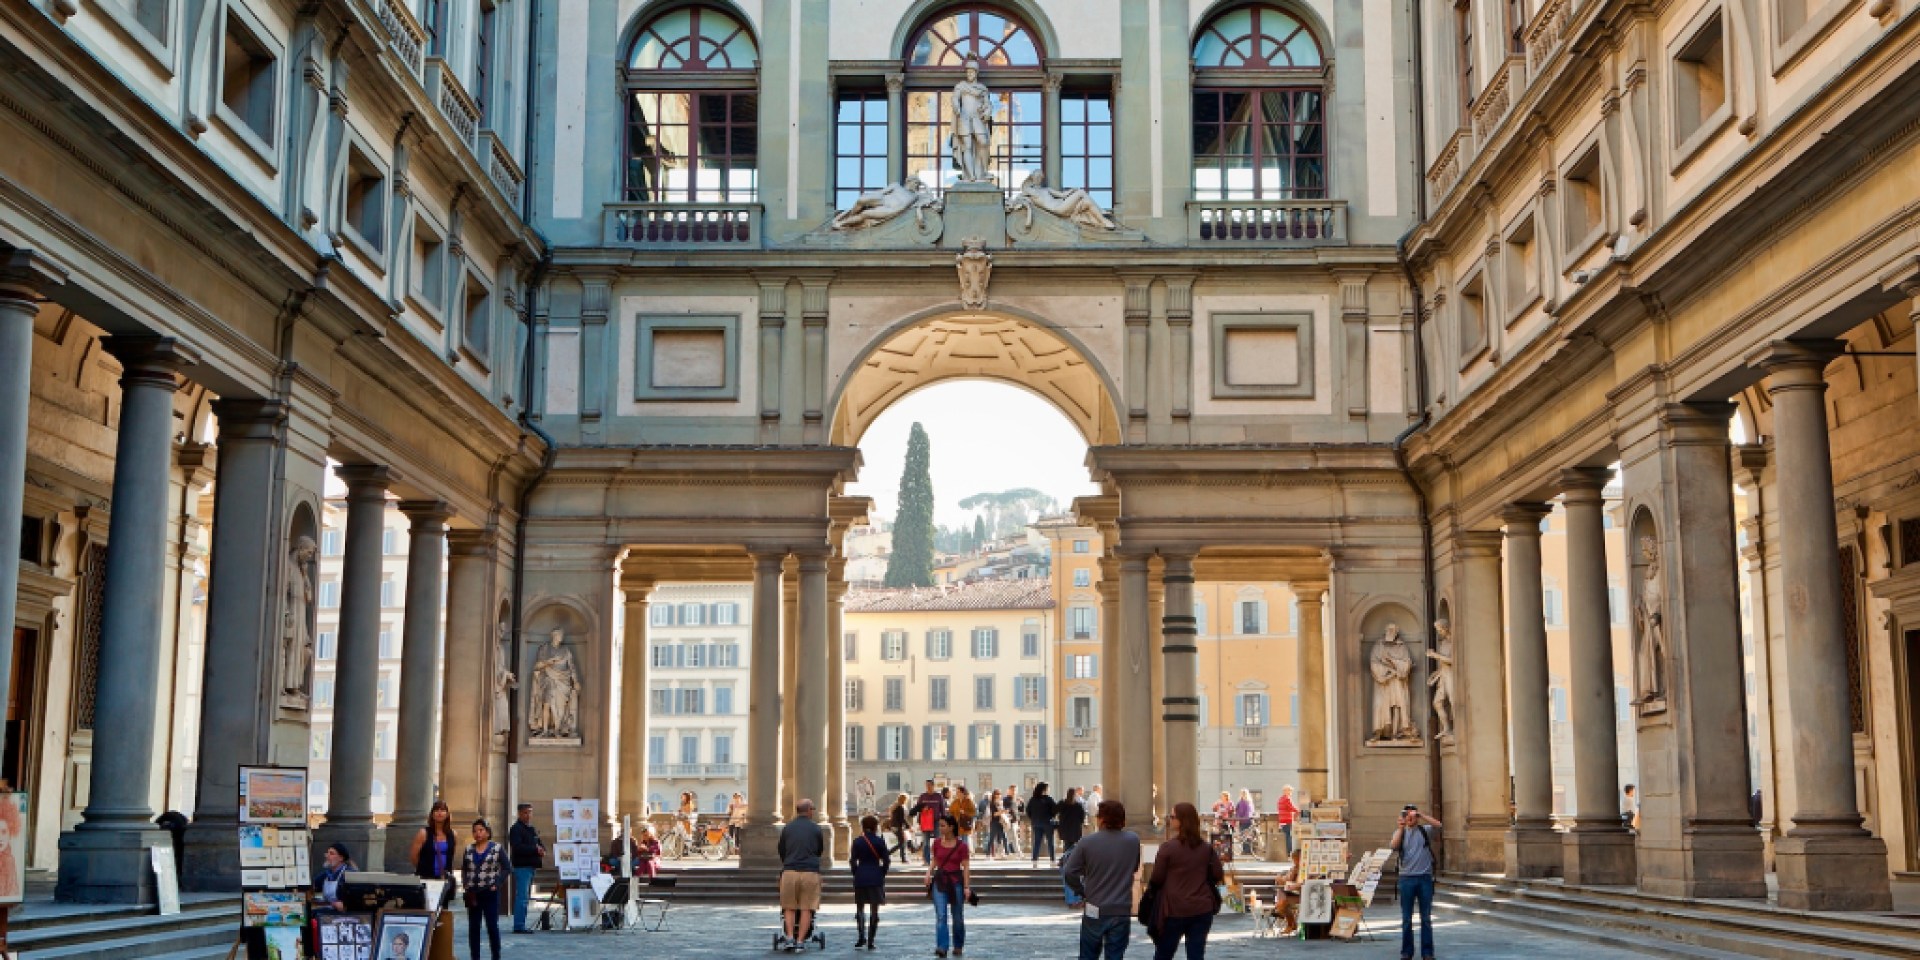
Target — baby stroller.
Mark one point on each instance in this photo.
(815, 937)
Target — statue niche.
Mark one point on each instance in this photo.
(553, 709)
(1650, 632)
(1391, 667)
(296, 625)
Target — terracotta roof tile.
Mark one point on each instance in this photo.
(977, 595)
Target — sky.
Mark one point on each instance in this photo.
(983, 436)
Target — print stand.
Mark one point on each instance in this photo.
(576, 855)
(275, 848)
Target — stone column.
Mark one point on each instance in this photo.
(836, 802)
(1598, 849)
(476, 653)
(1132, 673)
(414, 769)
(1311, 658)
(810, 690)
(636, 658)
(1182, 665)
(896, 126)
(357, 675)
(104, 858)
(245, 588)
(21, 280)
(1827, 860)
(1533, 846)
(1479, 683)
(1110, 659)
(757, 842)
(789, 681)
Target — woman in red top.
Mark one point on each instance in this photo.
(1185, 869)
(1286, 812)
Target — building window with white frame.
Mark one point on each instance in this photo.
(896, 694)
(1082, 666)
(893, 645)
(986, 643)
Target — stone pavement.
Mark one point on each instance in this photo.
(1020, 932)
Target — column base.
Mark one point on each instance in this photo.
(110, 865)
(1598, 857)
(365, 841)
(1711, 863)
(1831, 873)
(1483, 849)
(760, 845)
(398, 842)
(841, 846)
(212, 857)
(1534, 852)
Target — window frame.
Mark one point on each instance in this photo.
(264, 145)
(1004, 80)
(845, 194)
(695, 79)
(1686, 47)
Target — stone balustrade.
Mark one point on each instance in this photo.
(683, 224)
(446, 92)
(404, 33)
(1546, 31)
(506, 174)
(1266, 222)
(1445, 172)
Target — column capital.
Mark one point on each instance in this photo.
(1307, 592)
(1798, 360)
(428, 516)
(1176, 567)
(365, 480)
(1751, 459)
(639, 590)
(26, 275)
(1523, 517)
(1584, 484)
(247, 419)
(153, 360)
(471, 543)
(811, 560)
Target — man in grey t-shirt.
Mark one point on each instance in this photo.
(1413, 839)
(1101, 868)
(802, 843)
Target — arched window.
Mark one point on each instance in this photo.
(1259, 122)
(1010, 59)
(693, 110)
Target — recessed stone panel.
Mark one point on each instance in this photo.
(1263, 358)
(689, 358)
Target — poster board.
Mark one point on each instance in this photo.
(402, 934)
(576, 836)
(1316, 901)
(166, 879)
(1346, 923)
(582, 908)
(273, 908)
(345, 936)
(275, 858)
(273, 795)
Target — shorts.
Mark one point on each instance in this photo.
(799, 890)
(870, 896)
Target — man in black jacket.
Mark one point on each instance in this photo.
(527, 853)
(1040, 811)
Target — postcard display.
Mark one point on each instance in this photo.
(576, 855)
(1323, 839)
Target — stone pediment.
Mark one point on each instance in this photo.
(887, 219)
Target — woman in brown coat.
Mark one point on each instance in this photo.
(1186, 870)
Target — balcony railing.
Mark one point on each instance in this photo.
(444, 89)
(1445, 171)
(1266, 222)
(1493, 103)
(501, 168)
(1544, 34)
(697, 771)
(406, 35)
(699, 225)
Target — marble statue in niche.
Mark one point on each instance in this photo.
(1392, 667)
(1650, 631)
(1441, 680)
(296, 625)
(555, 704)
(972, 138)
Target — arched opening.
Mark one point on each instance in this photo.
(693, 108)
(984, 345)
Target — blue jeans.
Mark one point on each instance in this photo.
(1418, 888)
(943, 903)
(1108, 934)
(1042, 833)
(1193, 929)
(522, 892)
(1286, 830)
(926, 846)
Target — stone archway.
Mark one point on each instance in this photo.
(989, 345)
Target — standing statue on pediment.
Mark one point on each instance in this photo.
(972, 138)
(555, 713)
(1650, 628)
(296, 623)
(1391, 665)
(1441, 680)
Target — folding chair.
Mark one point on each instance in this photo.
(613, 909)
(661, 889)
(1266, 921)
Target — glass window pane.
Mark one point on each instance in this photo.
(746, 108)
(1238, 139)
(874, 171)
(1100, 109)
(876, 109)
(1073, 110)
(847, 140)
(849, 111)
(745, 141)
(1100, 172)
(847, 173)
(1100, 141)
(874, 140)
(1073, 141)
(1206, 107)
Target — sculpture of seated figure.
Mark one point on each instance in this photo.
(1074, 205)
(883, 205)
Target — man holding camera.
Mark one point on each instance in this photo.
(1413, 840)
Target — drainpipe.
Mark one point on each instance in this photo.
(532, 289)
(1435, 793)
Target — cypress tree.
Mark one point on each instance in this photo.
(979, 532)
(911, 564)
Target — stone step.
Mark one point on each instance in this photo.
(1448, 907)
(1751, 930)
(117, 936)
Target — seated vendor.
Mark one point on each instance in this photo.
(326, 884)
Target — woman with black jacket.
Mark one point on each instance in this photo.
(870, 863)
(1040, 811)
(1071, 818)
(435, 848)
(897, 825)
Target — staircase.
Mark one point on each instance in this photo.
(995, 883)
(205, 929)
(1654, 926)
